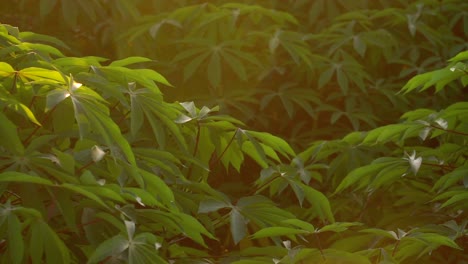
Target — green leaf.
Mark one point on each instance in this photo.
(6, 69)
(325, 77)
(363, 174)
(194, 64)
(35, 37)
(211, 205)
(192, 228)
(319, 202)
(113, 246)
(10, 139)
(274, 142)
(238, 225)
(142, 252)
(38, 74)
(66, 205)
(435, 239)
(342, 81)
(84, 192)
(256, 152)
(278, 231)
(338, 227)
(451, 178)
(457, 198)
(380, 232)
(300, 224)
(21, 109)
(147, 74)
(214, 70)
(36, 243)
(12, 176)
(70, 12)
(158, 188)
(359, 45)
(462, 56)
(105, 192)
(15, 239)
(128, 61)
(130, 226)
(55, 249)
(235, 65)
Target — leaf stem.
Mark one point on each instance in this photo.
(450, 167)
(264, 185)
(320, 246)
(449, 130)
(197, 139)
(123, 118)
(84, 167)
(15, 80)
(395, 248)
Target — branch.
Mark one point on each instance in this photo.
(449, 131)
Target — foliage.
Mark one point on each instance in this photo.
(367, 98)
(304, 69)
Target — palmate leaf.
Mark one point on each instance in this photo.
(93, 117)
(192, 228)
(364, 174)
(155, 110)
(438, 78)
(142, 251)
(36, 37)
(158, 188)
(258, 209)
(162, 160)
(144, 77)
(261, 145)
(427, 242)
(452, 178)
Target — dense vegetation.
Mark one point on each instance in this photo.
(320, 131)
